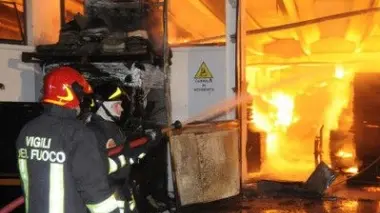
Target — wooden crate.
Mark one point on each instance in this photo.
(206, 162)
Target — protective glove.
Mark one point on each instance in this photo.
(133, 155)
(154, 135)
(136, 158)
(136, 154)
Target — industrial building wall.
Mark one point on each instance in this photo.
(192, 92)
(189, 95)
(21, 81)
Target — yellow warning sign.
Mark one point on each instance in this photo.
(203, 72)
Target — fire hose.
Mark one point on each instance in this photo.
(13, 205)
(144, 140)
(133, 144)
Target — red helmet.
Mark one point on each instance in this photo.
(64, 86)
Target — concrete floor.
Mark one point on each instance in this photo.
(291, 205)
(342, 200)
(337, 200)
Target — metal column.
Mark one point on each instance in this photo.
(231, 19)
(241, 80)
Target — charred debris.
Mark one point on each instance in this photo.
(119, 41)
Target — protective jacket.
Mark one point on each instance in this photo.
(118, 163)
(106, 131)
(119, 159)
(61, 167)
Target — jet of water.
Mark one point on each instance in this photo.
(232, 103)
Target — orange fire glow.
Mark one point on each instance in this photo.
(9, 26)
(291, 117)
(343, 154)
(372, 189)
(351, 170)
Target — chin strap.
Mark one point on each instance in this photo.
(108, 113)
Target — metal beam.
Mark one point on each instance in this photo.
(192, 17)
(360, 27)
(242, 82)
(302, 23)
(179, 28)
(216, 8)
(230, 37)
(255, 44)
(314, 21)
(292, 11)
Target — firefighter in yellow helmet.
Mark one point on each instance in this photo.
(108, 110)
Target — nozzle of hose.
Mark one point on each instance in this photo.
(177, 125)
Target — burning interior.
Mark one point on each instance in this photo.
(314, 90)
(293, 120)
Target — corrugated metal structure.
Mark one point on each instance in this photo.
(331, 39)
(347, 35)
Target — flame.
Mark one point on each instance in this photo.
(278, 120)
(285, 106)
(351, 170)
(292, 116)
(343, 154)
(372, 189)
(339, 72)
(350, 206)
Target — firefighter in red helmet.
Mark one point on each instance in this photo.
(65, 87)
(58, 156)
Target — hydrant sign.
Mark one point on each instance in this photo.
(203, 79)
